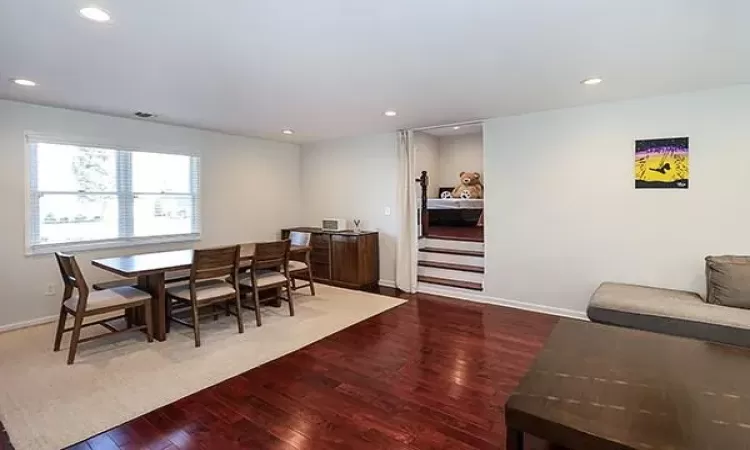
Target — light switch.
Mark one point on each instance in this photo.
(387, 210)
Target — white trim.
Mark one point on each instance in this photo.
(480, 298)
(46, 249)
(387, 283)
(27, 323)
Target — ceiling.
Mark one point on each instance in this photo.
(470, 128)
(329, 68)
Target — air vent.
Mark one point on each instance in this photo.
(144, 115)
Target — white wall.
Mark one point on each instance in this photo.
(562, 214)
(460, 153)
(249, 191)
(355, 178)
(427, 155)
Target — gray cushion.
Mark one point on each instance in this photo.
(295, 266)
(204, 290)
(108, 298)
(266, 278)
(728, 280)
(668, 311)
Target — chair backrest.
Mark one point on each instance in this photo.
(72, 278)
(299, 238)
(271, 255)
(215, 262)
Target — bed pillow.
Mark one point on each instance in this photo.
(728, 280)
(446, 192)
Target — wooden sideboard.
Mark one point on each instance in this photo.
(343, 258)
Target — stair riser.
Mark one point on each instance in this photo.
(451, 274)
(455, 259)
(455, 245)
(438, 289)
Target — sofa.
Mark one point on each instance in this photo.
(668, 311)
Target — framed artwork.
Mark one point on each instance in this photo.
(662, 163)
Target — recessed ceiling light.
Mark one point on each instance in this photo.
(287, 131)
(390, 113)
(591, 81)
(22, 82)
(457, 127)
(95, 14)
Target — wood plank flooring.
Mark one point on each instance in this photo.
(432, 373)
(471, 234)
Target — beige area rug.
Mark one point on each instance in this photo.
(46, 404)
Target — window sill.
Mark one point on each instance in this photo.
(46, 249)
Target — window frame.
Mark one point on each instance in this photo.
(124, 194)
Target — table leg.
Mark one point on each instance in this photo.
(513, 439)
(154, 284)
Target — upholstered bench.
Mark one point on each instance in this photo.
(668, 311)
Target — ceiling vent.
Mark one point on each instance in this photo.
(144, 115)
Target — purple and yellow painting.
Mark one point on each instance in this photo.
(661, 163)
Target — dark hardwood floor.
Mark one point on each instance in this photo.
(471, 234)
(4, 440)
(432, 373)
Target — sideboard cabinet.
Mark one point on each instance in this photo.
(343, 258)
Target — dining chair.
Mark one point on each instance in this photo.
(269, 270)
(80, 303)
(213, 280)
(300, 264)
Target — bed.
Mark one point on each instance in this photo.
(455, 203)
(454, 211)
(448, 211)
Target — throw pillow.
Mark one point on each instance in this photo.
(728, 280)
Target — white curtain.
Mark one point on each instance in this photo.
(406, 251)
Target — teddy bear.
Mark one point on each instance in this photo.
(470, 186)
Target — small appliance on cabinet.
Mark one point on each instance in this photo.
(334, 225)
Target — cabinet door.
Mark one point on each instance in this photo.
(345, 258)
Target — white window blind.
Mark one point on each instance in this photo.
(84, 196)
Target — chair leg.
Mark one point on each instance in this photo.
(129, 314)
(289, 297)
(256, 300)
(168, 325)
(226, 309)
(149, 322)
(294, 283)
(240, 323)
(60, 328)
(77, 325)
(196, 324)
(216, 311)
(310, 280)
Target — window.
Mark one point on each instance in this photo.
(83, 196)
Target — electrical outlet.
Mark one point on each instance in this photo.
(387, 211)
(50, 290)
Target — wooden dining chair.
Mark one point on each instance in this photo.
(299, 264)
(80, 303)
(213, 280)
(269, 270)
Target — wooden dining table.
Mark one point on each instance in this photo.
(150, 270)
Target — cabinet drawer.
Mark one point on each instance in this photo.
(321, 270)
(321, 241)
(322, 256)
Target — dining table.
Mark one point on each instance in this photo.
(150, 272)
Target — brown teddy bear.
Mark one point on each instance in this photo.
(470, 186)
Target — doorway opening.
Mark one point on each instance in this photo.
(449, 162)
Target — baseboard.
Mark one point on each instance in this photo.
(27, 323)
(387, 283)
(480, 298)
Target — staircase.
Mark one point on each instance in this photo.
(447, 265)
